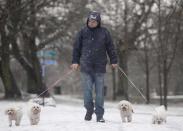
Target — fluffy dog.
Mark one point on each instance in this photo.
(14, 114)
(34, 113)
(126, 110)
(159, 115)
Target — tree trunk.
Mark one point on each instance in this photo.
(160, 52)
(147, 86)
(165, 88)
(35, 85)
(11, 89)
(160, 84)
(123, 82)
(147, 77)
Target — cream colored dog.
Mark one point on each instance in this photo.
(14, 114)
(159, 115)
(126, 110)
(34, 113)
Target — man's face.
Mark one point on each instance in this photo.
(92, 23)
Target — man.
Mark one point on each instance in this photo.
(92, 44)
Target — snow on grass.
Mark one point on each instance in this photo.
(69, 113)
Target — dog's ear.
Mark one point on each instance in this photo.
(119, 106)
(32, 109)
(130, 107)
(39, 109)
(6, 111)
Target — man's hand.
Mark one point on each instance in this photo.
(114, 66)
(74, 66)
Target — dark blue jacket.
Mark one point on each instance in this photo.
(91, 48)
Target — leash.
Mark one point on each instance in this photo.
(132, 84)
(55, 83)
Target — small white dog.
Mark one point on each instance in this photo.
(34, 113)
(159, 115)
(14, 114)
(126, 110)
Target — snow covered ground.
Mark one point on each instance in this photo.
(69, 113)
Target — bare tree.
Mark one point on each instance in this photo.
(11, 88)
(168, 25)
(127, 18)
(145, 59)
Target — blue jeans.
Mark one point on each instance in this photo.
(88, 80)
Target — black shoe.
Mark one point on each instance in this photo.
(88, 116)
(101, 120)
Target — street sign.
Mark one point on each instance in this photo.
(47, 54)
(47, 57)
(50, 53)
(48, 62)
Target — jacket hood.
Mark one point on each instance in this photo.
(94, 16)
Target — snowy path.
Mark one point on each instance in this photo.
(68, 116)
